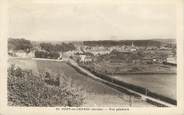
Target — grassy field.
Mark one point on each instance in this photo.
(125, 68)
(96, 93)
(164, 84)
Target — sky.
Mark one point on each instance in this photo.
(71, 20)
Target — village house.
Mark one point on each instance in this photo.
(163, 48)
(11, 53)
(171, 60)
(151, 48)
(69, 53)
(88, 59)
(82, 58)
(97, 50)
(85, 58)
(21, 53)
(60, 56)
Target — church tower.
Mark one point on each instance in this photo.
(133, 44)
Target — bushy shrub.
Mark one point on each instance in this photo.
(45, 54)
(41, 54)
(53, 55)
(15, 71)
(31, 90)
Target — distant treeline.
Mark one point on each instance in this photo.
(64, 47)
(144, 43)
(19, 44)
(27, 45)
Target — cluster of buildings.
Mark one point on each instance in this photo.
(151, 54)
(21, 53)
(101, 50)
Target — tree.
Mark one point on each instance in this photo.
(47, 46)
(41, 54)
(68, 47)
(59, 47)
(46, 54)
(64, 47)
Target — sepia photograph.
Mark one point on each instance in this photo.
(89, 54)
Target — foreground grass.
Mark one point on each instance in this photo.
(130, 68)
(27, 89)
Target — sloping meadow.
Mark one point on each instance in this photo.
(27, 89)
